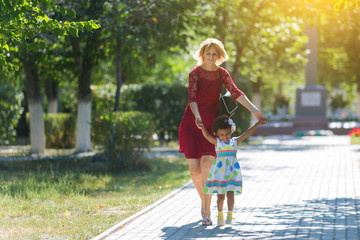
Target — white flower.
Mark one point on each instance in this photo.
(232, 124)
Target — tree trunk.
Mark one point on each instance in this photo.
(358, 98)
(51, 92)
(118, 74)
(83, 136)
(37, 132)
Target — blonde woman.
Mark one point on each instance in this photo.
(202, 109)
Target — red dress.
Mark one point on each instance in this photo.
(204, 89)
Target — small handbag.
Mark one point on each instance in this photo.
(227, 104)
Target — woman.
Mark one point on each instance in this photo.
(201, 111)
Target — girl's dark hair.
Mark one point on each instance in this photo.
(221, 122)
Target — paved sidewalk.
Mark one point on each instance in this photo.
(294, 188)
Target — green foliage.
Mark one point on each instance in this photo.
(167, 102)
(243, 119)
(346, 4)
(338, 101)
(22, 22)
(102, 100)
(280, 101)
(60, 130)
(143, 30)
(125, 136)
(10, 111)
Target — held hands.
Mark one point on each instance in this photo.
(259, 115)
(199, 123)
(261, 121)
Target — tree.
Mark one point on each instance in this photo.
(262, 39)
(346, 4)
(86, 53)
(24, 31)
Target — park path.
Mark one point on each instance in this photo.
(294, 188)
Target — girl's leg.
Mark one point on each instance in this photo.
(230, 201)
(205, 163)
(220, 202)
(196, 177)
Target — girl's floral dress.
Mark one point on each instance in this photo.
(225, 173)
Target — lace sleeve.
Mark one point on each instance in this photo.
(230, 85)
(193, 86)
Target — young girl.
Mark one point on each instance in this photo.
(225, 174)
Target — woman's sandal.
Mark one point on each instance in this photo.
(206, 221)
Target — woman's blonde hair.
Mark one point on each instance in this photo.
(205, 45)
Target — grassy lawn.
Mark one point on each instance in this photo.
(76, 199)
(355, 140)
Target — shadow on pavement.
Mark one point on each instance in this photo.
(312, 219)
(196, 230)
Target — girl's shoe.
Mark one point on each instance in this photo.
(220, 220)
(229, 220)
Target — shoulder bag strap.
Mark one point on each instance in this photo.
(220, 86)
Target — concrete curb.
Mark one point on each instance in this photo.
(126, 221)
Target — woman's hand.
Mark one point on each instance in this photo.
(199, 123)
(258, 115)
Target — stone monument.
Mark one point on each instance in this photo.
(310, 108)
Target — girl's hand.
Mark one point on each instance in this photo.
(258, 115)
(199, 123)
(262, 121)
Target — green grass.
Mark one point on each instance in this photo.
(77, 199)
(355, 140)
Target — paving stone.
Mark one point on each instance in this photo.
(294, 188)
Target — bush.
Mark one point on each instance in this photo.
(125, 136)
(10, 112)
(167, 102)
(60, 129)
(102, 100)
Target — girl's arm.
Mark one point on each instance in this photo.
(250, 131)
(210, 138)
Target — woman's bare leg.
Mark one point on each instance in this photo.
(206, 162)
(196, 177)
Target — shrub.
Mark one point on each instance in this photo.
(338, 101)
(60, 130)
(125, 136)
(167, 102)
(10, 112)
